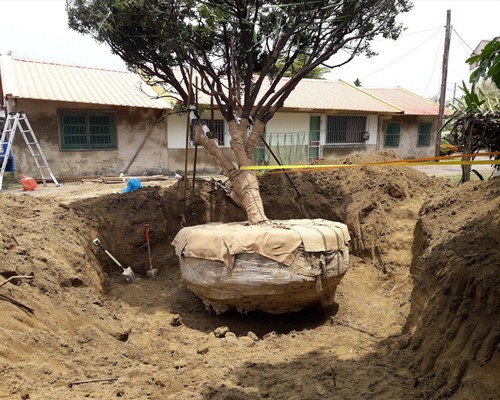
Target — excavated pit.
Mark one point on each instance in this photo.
(78, 321)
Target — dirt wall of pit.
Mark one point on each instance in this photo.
(454, 323)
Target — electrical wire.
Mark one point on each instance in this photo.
(463, 43)
(403, 56)
(438, 51)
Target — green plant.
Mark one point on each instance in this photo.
(487, 63)
(475, 124)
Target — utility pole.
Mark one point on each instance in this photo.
(444, 75)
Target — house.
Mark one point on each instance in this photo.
(88, 121)
(329, 119)
(411, 134)
(92, 121)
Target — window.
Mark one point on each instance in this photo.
(345, 130)
(218, 130)
(424, 134)
(392, 134)
(82, 130)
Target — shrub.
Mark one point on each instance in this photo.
(447, 149)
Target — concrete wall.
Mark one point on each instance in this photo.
(133, 125)
(408, 142)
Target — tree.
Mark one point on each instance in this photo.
(475, 120)
(475, 124)
(241, 50)
(316, 73)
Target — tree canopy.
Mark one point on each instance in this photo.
(228, 42)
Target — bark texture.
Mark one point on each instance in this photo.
(256, 133)
(244, 188)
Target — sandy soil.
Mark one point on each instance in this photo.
(417, 314)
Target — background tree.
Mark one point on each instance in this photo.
(316, 73)
(241, 50)
(475, 123)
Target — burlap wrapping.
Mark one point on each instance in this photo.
(279, 241)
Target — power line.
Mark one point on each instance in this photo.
(463, 42)
(438, 51)
(403, 56)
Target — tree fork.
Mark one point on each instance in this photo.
(244, 188)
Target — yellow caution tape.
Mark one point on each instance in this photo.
(447, 160)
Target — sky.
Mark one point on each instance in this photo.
(37, 29)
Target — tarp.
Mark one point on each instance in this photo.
(278, 241)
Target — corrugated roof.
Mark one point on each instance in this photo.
(322, 94)
(327, 95)
(411, 103)
(42, 80)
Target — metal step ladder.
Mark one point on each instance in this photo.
(15, 121)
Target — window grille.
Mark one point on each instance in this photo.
(86, 130)
(346, 130)
(218, 128)
(424, 134)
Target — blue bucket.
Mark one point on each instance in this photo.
(10, 158)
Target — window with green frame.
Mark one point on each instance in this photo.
(87, 130)
(424, 134)
(392, 133)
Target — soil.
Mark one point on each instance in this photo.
(416, 315)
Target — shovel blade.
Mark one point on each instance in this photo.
(152, 273)
(128, 275)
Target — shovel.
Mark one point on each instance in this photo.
(127, 273)
(151, 272)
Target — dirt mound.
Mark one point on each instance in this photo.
(47, 321)
(119, 220)
(379, 204)
(78, 331)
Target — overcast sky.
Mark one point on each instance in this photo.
(38, 29)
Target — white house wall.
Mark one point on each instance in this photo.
(295, 141)
(287, 133)
(288, 122)
(176, 131)
(372, 129)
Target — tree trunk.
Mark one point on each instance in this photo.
(468, 150)
(257, 130)
(244, 188)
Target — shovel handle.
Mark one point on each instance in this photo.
(98, 243)
(114, 259)
(146, 233)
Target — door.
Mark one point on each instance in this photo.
(314, 130)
